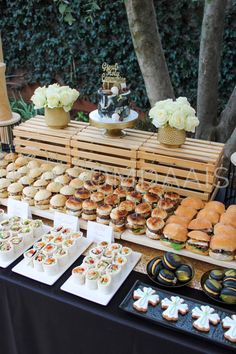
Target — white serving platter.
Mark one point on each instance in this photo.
(5, 264)
(145, 241)
(26, 270)
(95, 295)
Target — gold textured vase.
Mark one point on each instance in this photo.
(171, 137)
(56, 118)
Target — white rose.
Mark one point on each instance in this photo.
(39, 97)
(188, 110)
(66, 98)
(75, 94)
(191, 123)
(53, 100)
(182, 101)
(177, 120)
(159, 116)
(162, 104)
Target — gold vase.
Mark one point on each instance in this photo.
(171, 137)
(5, 109)
(56, 118)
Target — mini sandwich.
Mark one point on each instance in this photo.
(228, 219)
(24, 170)
(103, 214)
(151, 198)
(11, 157)
(26, 181)
(118, 219)
(21, 161)
(112, 200)
(143, 209)
(155, 228)
(40, 184)
(82, 194)
(142, 186)
(73, 206)
(28, 194)
(216, 206)
(89, 210)
(222, 247)
(3, 163)
(13, 176)
(11, 167)
(210, 215)
(175, 219)
(15, 191)
(220, 229)
(67, 191)
(113, 181)
(3, 172)
(193, 202)
(85, 176)
(54, 187)
(201, 224)
(136, 224)
(134, 196)
(174, 236)
(107, 189)
(174, 197)
(57, 202)
(76, 183)
(59, 170)
(97, 197)
(128, 184)
(186, 211)
(159, 213)
(4, 184)
(42, 199)
(98, 178)
(198, 242)
(63, 179)
(157, 190)
(90, 186)
(121, 192)
(231, 208)
(166, 204)
(46, 167)
(35, 173)
(33, 164)
(128, 206)
(48, 176)
(73, 172)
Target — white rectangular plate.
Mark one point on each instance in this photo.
(95, 295)
(5, 264)
(146, 241)
(23, 269)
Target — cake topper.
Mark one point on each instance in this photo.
(111, 77)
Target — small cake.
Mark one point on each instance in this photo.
(145, 297)
(173, 307)
(205, 315)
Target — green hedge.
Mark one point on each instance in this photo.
(35, 37)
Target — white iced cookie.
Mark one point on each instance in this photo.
(115, 117)
(173, 307)
(205, 316)
(115, 90)
(230, 324)
(145, 297)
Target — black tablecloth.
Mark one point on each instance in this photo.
(39, 319)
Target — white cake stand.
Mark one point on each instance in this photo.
(113, 129)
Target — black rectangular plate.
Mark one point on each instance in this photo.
(184, 323)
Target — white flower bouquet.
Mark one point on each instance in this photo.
(55, 96)
(177, 114)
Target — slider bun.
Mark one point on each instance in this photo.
(143, 208)
(120, 191)
(112, 180)
(175, 219)
(112, 199)
(159, 213)
(11, 167)
(127, 182)
(58, 200)
(98, 177)
(199, 235)
(117, 228)
(231, 208)
(200, 224)
(97, 197)
(104, 209)
(82, 193)
(106, 189)
(91, 186)
(21, 161)
(35, 172)
(15, 188)
(193, 249)
(54, 187)
(136, 219)
(215, 205)
(29, 191)
(134, 196)
(33, 164)
(12, 156)
(89, 205)
(59, 170)
(48, 175)
(150, 197)
(193, 202)
(155, 224)
(228, 219)
(186, 211)
(176, 232)
(46, 167)
(73, 172)
(42, 195)
(73, 203)
(85, 176)
(3, 172)
(117, 214)
(40, 183)
(210, 215)
(26, 180)
(220, 256)
(63, 179)
(156, 190)
(4, 183)
(142, 187)
(224, 241)
(13, 176)
(220, 229)
(76, 183)
(23, 170)
(67, 190)
(91, 217)
(127, 205)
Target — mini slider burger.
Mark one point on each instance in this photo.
(187, 212)
(21, 161)
(151, 198)
(166, 204)
(201, 224)
(128, 184)
(103, 214)
(76, 183)
(15, 191)
(57, 202)
(158, 190)
(210, 215)
(35, 173)
(174, 197)
(54, 187)
(42, 199)
(97, 197)
(26, 181)
(143, 209)
(216, 206)
(89, 210)
(73, 172)
(175, 219)
(106, 189)
(118, 219)
(73, 206)
(82, 194)
(28, 194)
(59, 170)
(220, 229)
(67, 191)
(193, 202)
(90, 186)
(174, 236)
(136, 224)
(128, 206)
(63, 179)
(134, 196)
(154, 228)
(33, 164)
(121, 192)
(198, 242)
(142, 186)
(113, 181)
(4, 184)
(159, 213)
(112, 200)
(228, 219)
(222, 247)
(40, 184)
(98, 178)
(48, 176)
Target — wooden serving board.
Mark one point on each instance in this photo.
(146, 241)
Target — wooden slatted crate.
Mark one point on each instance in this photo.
(34, 137)
(92, 150)
(189, 170)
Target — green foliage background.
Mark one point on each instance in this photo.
(36, 37)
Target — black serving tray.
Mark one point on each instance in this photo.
(184, 323)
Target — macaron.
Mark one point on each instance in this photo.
(171, 261)
(228, 295)
(230, 273)
(184, 273)
(154, 266)
(229, 283)
(212, 287)
(216, 274)
(166, 277)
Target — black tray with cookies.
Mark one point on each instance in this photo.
(182, 314)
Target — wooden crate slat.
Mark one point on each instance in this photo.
(103, 149)
(41, 146)
(115, 170)
(108, 159)
(45, 154)
(40, 137)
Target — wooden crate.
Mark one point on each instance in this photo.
(34, 137)
(92, 150)
(189, 170)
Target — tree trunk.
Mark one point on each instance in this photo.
(230, 146)
(209, 62)
(147, 44)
